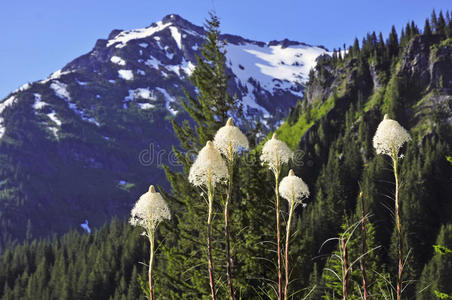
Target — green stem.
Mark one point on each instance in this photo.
(364, 247)
(226, 224)
(151, 263)
(278, 233)
(345, 268)
(209, 248)
(292, 207)
(398, 225)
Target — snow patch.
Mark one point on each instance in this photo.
(141, 72)
(85, 227)
(264, 64)
(8, 102)
(55, 75)
(22, 88)
(60, 90)
(52, 116)
(168, 100)
(54, 131)
(39, 104)
(125, 36)
(272, 67)
(118, 60)
(176, 36)
(153, 62)
(186, 66)
(146, 105)
(169, 55)
(126, 74)
(143, 45)
(82, 83)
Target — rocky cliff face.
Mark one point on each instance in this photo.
(86, 141)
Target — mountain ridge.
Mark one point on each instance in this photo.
(89, 127)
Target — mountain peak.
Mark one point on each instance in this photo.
(177, 20)
(121, 37)
(182, 23)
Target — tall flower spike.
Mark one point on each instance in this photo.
(209, 166)
(390, 136)
(293, 186)
(150, 210)
(230, 138)
(275, 153)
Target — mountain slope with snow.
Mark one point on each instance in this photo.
(70, 141)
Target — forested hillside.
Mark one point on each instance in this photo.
(408, 77)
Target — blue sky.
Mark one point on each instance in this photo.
(39, 37)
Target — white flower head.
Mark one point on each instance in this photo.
(293, 188)
(149, 211)
(390, 136)
(209, 167)
(229, 139)
(275, 153)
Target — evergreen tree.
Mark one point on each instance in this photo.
(437, 274)
(434, 21)
(441, 27)
(427, 30)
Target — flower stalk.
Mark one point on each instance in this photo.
(294, 190)
(388, 139)
(278, 231)
(275, 153)
(151, 264)
(364, 247)
(148, 212)
(289, 222)
(209, 246)
(226, 223)
(398, 225)
(209, 169)
(345, 267)
(229, 140)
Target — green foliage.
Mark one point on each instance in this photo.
(76, 266)
(334, 268)
(437, 275)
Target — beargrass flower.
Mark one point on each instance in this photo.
(208, 168)
(293, 188)
(275, 153)
(390, 137)
(150, 210)
(229, 140)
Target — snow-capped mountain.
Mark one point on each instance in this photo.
(97, 117)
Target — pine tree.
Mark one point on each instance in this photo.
(437, 274)
(209, 109)
(441, 27)
(427, 29)
(434, 21)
